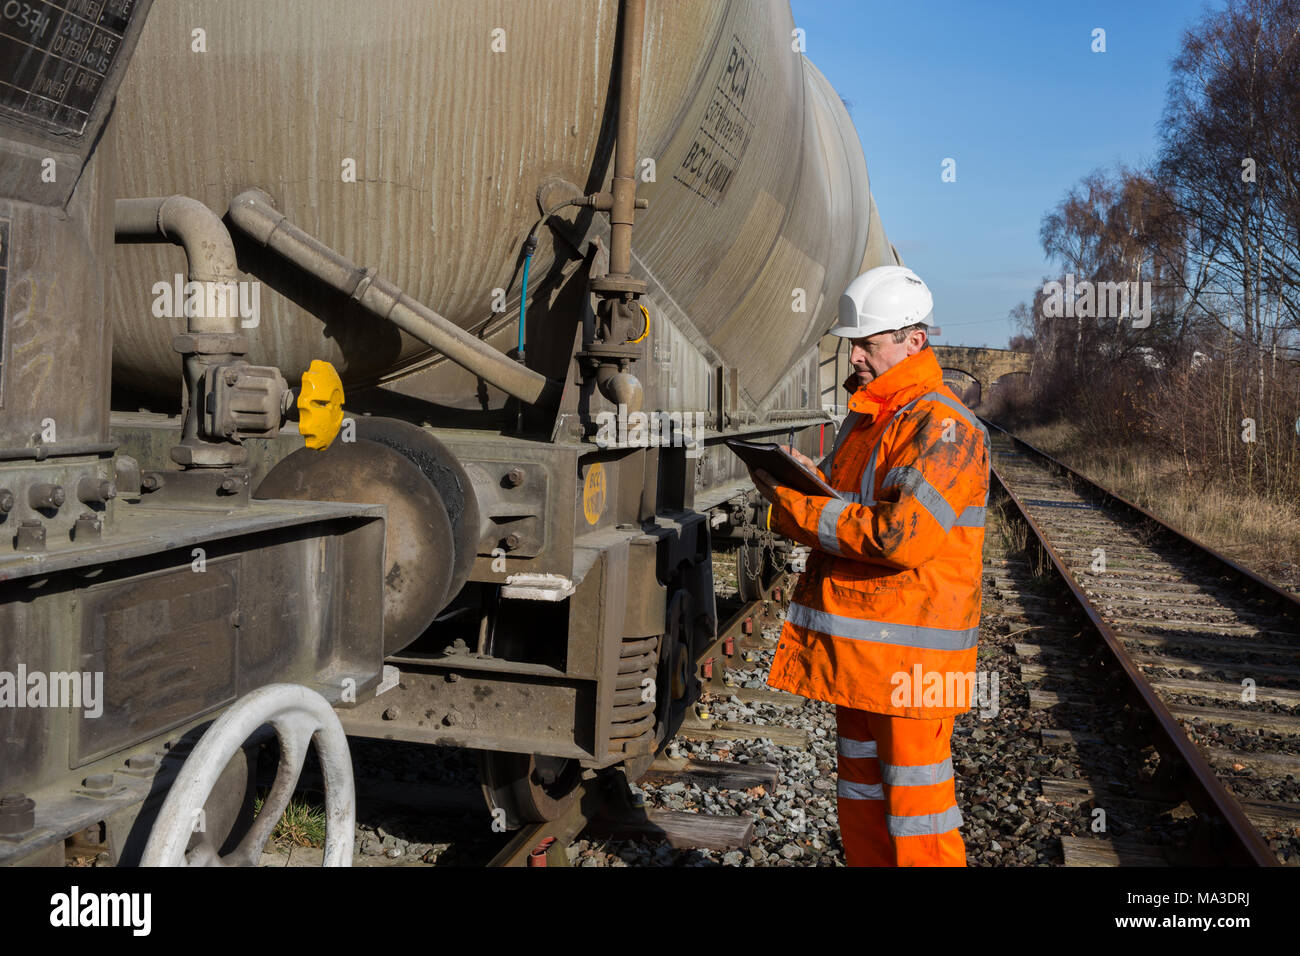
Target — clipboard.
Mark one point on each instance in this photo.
(769, 457)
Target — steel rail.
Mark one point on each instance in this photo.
(536, 843)
(729, 630)
(1207, 793)
(1289, 601)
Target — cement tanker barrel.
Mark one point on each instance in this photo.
(413, 137)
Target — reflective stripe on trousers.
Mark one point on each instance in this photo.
(896, 796)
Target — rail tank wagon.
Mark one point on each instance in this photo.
(518, 270)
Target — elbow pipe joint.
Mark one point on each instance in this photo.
(213, 344)
(186, 222)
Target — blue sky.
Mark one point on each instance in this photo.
(1013, 92)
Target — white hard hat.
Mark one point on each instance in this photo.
(884, 299)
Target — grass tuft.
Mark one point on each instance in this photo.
(303, 824)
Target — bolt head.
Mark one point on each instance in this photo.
(142, 762)
(17, 813)
(515, 477)
(6, 501)
(98, 781)
(512, 541)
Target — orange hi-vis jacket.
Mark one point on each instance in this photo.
(886, 616)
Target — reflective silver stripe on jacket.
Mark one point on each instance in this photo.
(849, 790)
(906, 635)
(924, 824)
(867, 496)
(930, 497)
(856, 749)
(921, 775)
(972, 517)
(965, 521)
(827, 522)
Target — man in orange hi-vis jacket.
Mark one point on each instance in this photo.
(885, 620)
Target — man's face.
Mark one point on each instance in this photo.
(875, 355)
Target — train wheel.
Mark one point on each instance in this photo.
(300, 718)
(420, 557)
(530, 788)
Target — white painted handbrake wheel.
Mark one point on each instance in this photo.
(299, 716)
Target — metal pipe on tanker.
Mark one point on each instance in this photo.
(254, 212)
(629, 99)
(213, 334)
(209, 251)
(607, 358)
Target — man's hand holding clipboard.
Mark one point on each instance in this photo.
(771, 465)
(764, 482)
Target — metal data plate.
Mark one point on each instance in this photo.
(56, 57)
(61, 63)
(169, 643)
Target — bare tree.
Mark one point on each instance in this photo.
(1214, 227)
(1230, 165)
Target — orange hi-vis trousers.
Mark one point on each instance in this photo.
(897, 800)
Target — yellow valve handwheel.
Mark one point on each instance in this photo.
(320, 405)
(645, 331)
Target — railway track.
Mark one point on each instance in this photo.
(1205, 652)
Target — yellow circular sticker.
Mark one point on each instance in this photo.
(593, 493)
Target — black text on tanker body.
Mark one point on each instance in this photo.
(723, 134)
